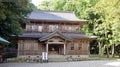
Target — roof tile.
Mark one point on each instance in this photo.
(53, 15)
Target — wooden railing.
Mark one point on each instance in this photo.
(46, 28)
(76, 32)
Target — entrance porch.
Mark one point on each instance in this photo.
(55, 43)
(56, 48)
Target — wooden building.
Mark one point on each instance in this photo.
(3, 42)
(54, 32)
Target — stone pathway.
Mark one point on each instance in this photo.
(98, 63)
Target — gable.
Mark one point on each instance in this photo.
(54, 34)
(56, 39)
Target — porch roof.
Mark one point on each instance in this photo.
(55, 33)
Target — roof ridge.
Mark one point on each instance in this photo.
(55, 11)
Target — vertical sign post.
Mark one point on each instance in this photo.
(44, 56)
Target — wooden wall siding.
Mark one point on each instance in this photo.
(75, 51)
(84, 48)
(40, 49)
(28, 47)
(48, 28)
(34, 47)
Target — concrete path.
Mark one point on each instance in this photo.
(98, 63)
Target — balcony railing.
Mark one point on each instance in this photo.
(47, 31)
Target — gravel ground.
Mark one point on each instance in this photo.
(96, 63)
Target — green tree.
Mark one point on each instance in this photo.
(109, 15)
(13, 17)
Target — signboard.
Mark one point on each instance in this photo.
(44, 56)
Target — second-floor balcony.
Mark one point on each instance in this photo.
(51, 28)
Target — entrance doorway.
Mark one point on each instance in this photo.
(54, 49)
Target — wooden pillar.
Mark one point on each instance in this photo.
(59, 50)
(18, 48)
(88, 47)
(47, 47)
(64, 49)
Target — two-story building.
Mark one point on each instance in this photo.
(54, 32)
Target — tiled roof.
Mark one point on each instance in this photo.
(69, 35)
(53, 15)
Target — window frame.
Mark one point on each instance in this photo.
(72, 47)
(79, 46)
(40, 28)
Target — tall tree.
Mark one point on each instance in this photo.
(13, 17)
(108, 11)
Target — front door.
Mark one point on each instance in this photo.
(54, 49)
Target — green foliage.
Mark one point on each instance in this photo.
(12, 16)
(118, 53)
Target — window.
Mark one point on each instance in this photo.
(79, 46)
(66, 28)
(32, 28)
(77, 29)
(72, 46)
(27, 46)
(28, 27)
(34, 46)
(30, 45)
(69, 28)
(40, 28)
(53, 27)
(72, 28)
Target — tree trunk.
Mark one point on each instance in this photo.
(107, 51)
(100, 49)
(113, 50)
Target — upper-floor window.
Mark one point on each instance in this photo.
(76, 29)
(53, 28)
(40, 28)
(71, 28)
(32, 27)
(67, 28)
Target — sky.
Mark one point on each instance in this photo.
(36, 2)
